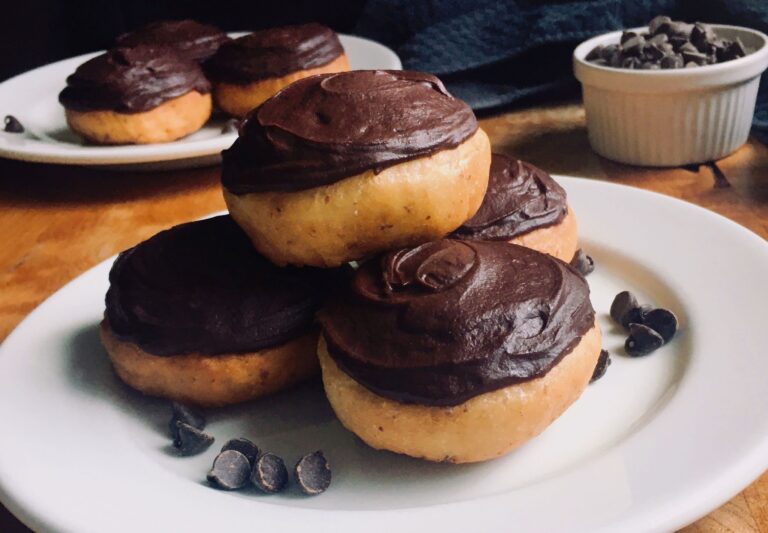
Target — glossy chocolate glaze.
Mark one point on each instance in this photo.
(190, 39)
(202, 288)
(520, 198)
(273, 53)
(325, 128)
(132, 80)
(448, 320)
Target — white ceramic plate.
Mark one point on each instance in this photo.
(656, 443)
(32, 97)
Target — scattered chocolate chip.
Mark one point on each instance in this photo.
(631, 63)
(190, 440)
(244, 446)
(231, 126)
(269, 473)
(186, 414)
(663, 322)
(634, 46)
(595, 54)
(12, 125)
(624, 302)
(583, 263)
(230, 471)
(627, 35)
(313, 474)
(642, 340)
(636, 315)
(603, 362)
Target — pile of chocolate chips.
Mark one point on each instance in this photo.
(649, 328)
(667, 44)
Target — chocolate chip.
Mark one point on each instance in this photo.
(622, 304)
(269, 473)
(677, 42)
(636, 315)
(230, 471)
(595, 54)
(190, 440)
(231, 126)
(313, 474)
(653, 25)
(695, 57)
(186, 414)
(12, 125)
(663, 322)
(634, 46)
(631, 63)
(642, 340)
(603, 362)
(653, 53)
(658, 39)
(583, 263)
(702, 35)
(607, 52)
(688, 48)
(627, 35)
(244, 446)
(672, 61)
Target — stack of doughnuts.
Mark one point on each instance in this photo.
(451, 326)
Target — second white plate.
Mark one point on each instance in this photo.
(32, 98)
(656, 443)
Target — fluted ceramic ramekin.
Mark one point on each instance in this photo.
(671, 117)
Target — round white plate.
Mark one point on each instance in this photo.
(656, 443)
(32, 98)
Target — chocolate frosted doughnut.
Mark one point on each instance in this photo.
(195, 314)
(190, 39)
(326, 128)
(457, 351)
(525, 206)
(520, 198)
(273, 53)
(449, 320)
(132, 80)
(339, 167)
(202, 288)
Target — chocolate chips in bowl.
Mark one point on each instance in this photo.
(644, 107)
(668, 44)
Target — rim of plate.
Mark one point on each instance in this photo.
(42, 151)
(686, 502)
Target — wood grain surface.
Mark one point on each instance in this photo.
(56, 222)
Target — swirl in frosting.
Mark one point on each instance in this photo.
(190, 39)
(325, 128)
(449, 320)
(202, 288)
(520, 198)
(274, 52)
(132, 80)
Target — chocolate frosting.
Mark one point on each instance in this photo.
(202, 288)
(449, 320)
(520, 198)
(274, 52)
(325, 128)
(132, 80)
(191, 40)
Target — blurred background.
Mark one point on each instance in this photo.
(491, 53)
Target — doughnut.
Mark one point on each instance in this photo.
(339, 167)
(457, 350)
(195, 314)
(136, 95)
(247, 71)
(190, 39)
(524, 206)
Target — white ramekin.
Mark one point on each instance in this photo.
(671, 117)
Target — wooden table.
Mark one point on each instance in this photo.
(55, 222)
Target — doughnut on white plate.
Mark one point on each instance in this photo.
(656, 443)
(32, 98)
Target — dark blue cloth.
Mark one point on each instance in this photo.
(495, 53)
